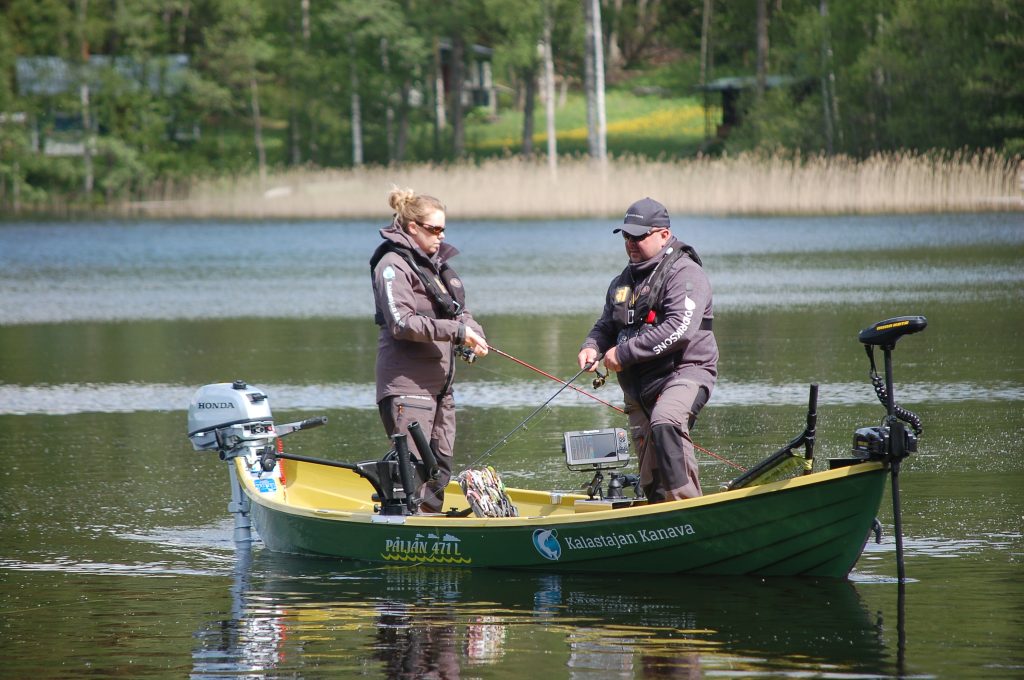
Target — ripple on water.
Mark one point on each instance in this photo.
(74, 398)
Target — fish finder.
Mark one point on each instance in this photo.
(605, 449)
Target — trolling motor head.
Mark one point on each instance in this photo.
(886, 333)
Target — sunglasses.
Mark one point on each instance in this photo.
(637, 239)
(432, 228)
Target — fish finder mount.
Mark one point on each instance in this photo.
(601, 450)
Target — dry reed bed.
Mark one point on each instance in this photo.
(515, 188)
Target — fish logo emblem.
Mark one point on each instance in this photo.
(546, 543)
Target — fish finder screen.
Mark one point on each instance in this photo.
(603, 448)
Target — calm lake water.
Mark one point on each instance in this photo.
(116, 556)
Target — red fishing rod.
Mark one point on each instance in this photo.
(556, 379)
(598, 399)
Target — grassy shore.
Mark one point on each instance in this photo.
(513, 188)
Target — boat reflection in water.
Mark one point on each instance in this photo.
(291, 615)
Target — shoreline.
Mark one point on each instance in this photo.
(514, 188)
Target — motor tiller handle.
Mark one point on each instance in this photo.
(312, 422)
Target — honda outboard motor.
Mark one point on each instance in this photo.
(234, 420)
(230, 418)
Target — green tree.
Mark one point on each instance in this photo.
(234, 61)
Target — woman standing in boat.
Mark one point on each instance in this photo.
(421, 311)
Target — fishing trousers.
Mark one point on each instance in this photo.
(437, 420)
(661, 439)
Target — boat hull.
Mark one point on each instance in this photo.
(813, 525)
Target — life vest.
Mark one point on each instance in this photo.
(633, 308)
(443, 287)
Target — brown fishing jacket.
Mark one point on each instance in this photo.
(420, 308)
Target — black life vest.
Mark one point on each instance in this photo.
(633, 308)
(445, 290)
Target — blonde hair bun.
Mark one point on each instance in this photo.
(398, 199)
(412, 207)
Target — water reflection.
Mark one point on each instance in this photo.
(291, 614)
(250, 641)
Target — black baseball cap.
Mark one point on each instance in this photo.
(642, 216)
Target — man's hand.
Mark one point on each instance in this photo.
(587, 359)
(611, 360)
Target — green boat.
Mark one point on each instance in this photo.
(813, 524)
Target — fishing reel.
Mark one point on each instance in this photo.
(465, 353)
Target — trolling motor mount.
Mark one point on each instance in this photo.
(874, 443)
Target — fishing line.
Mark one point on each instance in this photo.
(595, 398)
(555, 378)
(504, 440)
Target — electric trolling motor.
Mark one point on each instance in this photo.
(890, 442)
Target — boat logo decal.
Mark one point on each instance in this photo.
(432, 547)
(629, 538)
(546, 543)
(265, 485)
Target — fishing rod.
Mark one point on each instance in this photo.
(503, 440)
(597, 383)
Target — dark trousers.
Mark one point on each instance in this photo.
(437, 420)
(661, 439)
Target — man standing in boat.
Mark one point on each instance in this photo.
(655, 333)
(421, 310)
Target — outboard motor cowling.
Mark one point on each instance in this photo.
(226, 416)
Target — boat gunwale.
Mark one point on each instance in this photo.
(589, 517)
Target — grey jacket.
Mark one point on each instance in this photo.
(675, 343)
(415, 348)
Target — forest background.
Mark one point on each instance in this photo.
(274, 94)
